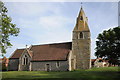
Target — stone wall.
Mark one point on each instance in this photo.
(41, 66)
(72, 61)
(13, 64)
(24, 67)
(81, 49)
(81, 42)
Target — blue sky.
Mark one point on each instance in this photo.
(53, 22)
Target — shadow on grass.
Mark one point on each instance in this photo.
(82, 75)
(92, 74)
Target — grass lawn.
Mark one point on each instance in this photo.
(106, 73)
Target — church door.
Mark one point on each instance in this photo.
(48, 67)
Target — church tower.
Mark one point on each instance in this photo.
(81, 42)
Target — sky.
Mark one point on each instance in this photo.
(53, 22)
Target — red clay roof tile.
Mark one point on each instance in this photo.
(17, 53)
(57, 51)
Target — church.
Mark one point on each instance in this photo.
(65, 56)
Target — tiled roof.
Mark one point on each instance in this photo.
(93, 60)
(17, 53)
(56, 51)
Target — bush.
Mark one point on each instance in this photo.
(4, 68)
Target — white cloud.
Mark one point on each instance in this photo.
(54, 22)
(54, 28)
(42, 23)
(32, 9)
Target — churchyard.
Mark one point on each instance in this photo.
(103, 73)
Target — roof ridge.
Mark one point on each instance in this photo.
(51, 43)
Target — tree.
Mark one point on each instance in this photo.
(7, 29)
(108, 45)
(4, 62)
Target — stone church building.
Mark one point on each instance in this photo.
(65, 56)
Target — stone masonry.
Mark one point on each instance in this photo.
(81, 42)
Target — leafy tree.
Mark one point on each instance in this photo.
(7, 29)
(108, 45)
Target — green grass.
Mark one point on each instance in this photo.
(106, 73)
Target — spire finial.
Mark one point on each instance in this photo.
(81, 4)
(26, 46)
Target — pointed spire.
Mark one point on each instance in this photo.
(82, 21)
(81, 13)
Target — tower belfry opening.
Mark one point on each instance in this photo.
(81, 41)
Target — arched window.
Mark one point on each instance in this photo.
(25, 60)
(81, 35)
(81, 18)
